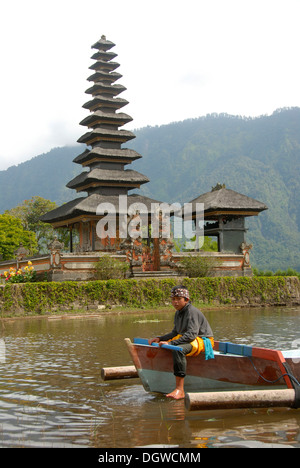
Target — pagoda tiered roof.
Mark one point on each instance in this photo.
(99, 135)
(107, 177)
(103, 44)
(100, 117)
(104, 101)
(123, 155)
(104, 176)
(105, 88)
(105, 76)
(82, 207)
(104, 65)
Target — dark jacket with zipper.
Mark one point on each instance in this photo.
(190, 323)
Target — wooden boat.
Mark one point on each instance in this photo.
(234, 367)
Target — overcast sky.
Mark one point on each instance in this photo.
(179, 60)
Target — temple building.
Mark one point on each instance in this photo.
(225, 213)
(104, 176)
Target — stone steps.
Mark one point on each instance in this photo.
(155, 274)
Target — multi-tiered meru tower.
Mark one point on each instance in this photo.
(104, 177)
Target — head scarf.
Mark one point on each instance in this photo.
(180, 291)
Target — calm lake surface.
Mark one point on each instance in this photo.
(52, 395)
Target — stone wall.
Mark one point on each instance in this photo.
(62, 266)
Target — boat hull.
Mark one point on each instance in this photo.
(225, 372)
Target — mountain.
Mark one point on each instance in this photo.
(45, 175)
(259, 157)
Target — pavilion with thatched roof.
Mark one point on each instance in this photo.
(225, 212)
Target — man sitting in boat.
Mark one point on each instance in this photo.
(191, 329)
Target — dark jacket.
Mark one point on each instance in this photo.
(190, 323)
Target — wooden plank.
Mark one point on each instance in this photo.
(239, 399)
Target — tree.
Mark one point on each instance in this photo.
(12, 234)
(30, 212)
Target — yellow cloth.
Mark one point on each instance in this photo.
(197, 344)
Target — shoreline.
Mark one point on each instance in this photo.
(80, 314)
(115, 297)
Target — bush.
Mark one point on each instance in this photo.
(288, 272)
(196, 266)
(111, 268)
(41, 298)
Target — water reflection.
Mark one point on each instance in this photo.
(52, 395)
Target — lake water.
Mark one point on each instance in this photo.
(52, 395)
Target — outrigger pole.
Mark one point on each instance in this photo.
(121, 372)
(241, 399)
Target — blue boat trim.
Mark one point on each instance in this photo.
(144, 341)
(233, 348)
(225, 347)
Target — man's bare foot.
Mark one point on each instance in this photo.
(177, 394)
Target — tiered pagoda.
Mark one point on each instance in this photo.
(104, 176)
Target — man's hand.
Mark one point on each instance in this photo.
(163, 342)
(153, 340)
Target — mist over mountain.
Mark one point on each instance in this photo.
(259, 157)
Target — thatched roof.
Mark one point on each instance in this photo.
(88, 206)
(100, 134)
(105, 101)
(103, 75)
(223, 200)
(103, 44)
(99, 117)
(103, 64)
(112, 176)
(107, 154)
(99, 87)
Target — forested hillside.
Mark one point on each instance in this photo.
(45, 175)
(258, 157)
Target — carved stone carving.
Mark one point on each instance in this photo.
(21, 252)
(55, 245)
(245, 251)
(140, 255)
(55, 248)
(165, 252)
